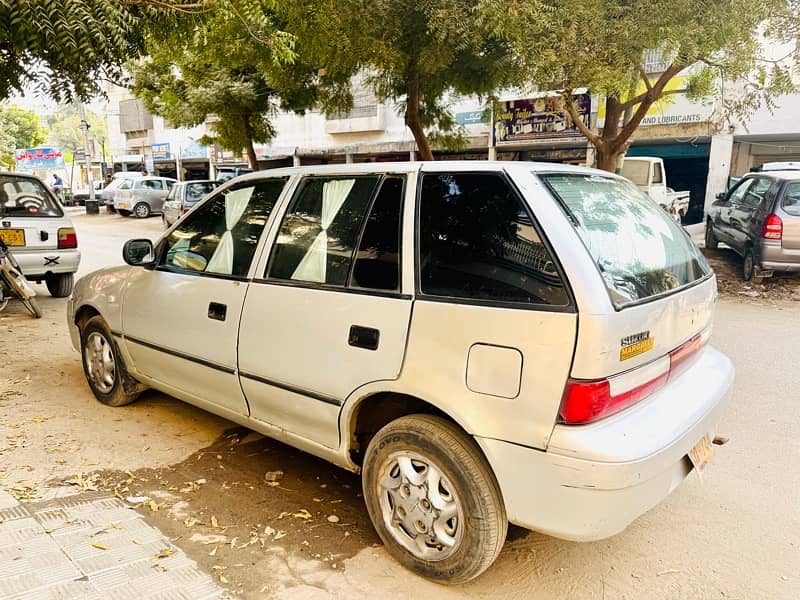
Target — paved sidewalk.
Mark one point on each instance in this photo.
(91, 547)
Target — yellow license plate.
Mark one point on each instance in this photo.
(121, 205)
(13, 237)
(701, 453)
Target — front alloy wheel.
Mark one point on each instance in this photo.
(105, 372)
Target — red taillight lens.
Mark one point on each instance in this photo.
(773, 228)
(680, 358)
(67, 238)
(587, 401)
(185, 210)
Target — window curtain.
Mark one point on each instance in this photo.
(236, 202)
(314, 264)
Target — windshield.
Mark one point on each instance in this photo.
(640, 251)
(24, 197)
(638, 171)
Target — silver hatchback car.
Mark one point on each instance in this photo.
(142, 196)
(760, 219)
(485, 342)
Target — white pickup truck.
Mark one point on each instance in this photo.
(647, 172)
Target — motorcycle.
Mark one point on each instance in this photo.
(13, 283)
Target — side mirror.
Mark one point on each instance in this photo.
(139, 253)
(721, 196)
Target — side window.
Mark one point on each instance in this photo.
(125, 185)
(320, 230)
(791, 199)
(658, 175)
(221, 235)
(477, 241)
(377, 263)
(170, 184)
(755, 194)
(737, 195)
(172, 194)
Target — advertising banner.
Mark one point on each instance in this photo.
(161, 152)
(539, 118)
(38, 159)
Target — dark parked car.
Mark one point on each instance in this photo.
(760, 219)
(183, 196)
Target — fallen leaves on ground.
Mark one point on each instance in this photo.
(100, 546)
(166, 552)
(303, 514)
(87, 484)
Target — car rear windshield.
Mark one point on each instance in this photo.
(25, 197)
(640, 251)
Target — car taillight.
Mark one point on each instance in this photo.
(586, 401)
(67, 238)
(773, 228)
(185, 210)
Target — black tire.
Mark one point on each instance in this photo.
(110, 208)
(141, 210)
(33, 307)
(711, 240)
(749, 267)
(124, 213)
(60, 285)
(468, 481)
(121, 388)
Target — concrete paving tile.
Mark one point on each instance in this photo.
(10, 513)
(7, 500)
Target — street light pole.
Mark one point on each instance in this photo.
(86, 150)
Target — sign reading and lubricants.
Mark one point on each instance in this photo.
(539, 118)
(161, 152)
(42, 158)
(636, 344)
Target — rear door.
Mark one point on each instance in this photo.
(790, 215)
(172, 205)
(328, 313)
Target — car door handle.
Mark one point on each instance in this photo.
(217, 311)
(364, 337)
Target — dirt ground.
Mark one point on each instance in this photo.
(271, 522)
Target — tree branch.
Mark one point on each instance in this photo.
(566, 95)
(649, 98)
(645, 78)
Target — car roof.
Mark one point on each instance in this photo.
(197, 181)
(20, 175)
(789, 175)
(425, 166)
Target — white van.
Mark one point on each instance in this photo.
(485, 342)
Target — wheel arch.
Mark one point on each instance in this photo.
(363, 417)
(84, 313)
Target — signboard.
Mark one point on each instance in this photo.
(161, 152)
(38, 159)
(539, 118)
(194, 151)
(472, 117)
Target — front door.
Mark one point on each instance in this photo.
(329, 314)
(181, 320)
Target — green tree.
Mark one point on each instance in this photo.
(64, 128)
(234, 69)
(602, 45)
(68, 48)
(19, 128)
(418, 53)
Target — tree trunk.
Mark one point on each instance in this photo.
(250, 148)
(609, 160)
(610, 148)
(412, 118)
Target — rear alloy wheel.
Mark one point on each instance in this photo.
(433, 499)
(103, 366)
(711, 240)
(60, 285)
(749, 267)
(141, 210)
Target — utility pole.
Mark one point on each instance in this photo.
(86, 150)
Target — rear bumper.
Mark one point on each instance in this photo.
(594, 480)
(35, 265)
(774, 257)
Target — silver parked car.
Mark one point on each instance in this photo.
(760, 219)
(183, 196)
(485, 342)
(142, 196)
